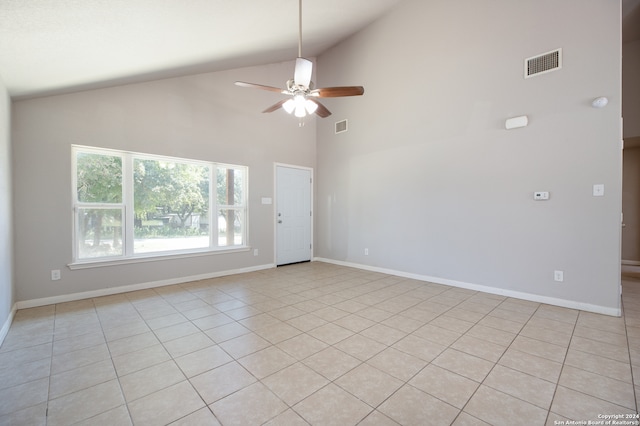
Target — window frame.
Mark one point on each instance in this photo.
(128, 212)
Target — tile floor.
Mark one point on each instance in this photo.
(317, 344)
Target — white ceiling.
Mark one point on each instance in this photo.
(57, 46)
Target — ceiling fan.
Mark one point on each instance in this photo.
(303, 95)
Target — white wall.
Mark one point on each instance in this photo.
(199, 117)
(430, 182)
(6, 215)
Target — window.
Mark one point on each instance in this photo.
(129, 205)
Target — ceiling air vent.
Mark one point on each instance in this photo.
(542, 64)
(341, 126)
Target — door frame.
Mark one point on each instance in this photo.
(275, 207)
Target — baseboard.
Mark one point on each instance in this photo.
(631, 262)
(486, 289)
(134, 287)
(7, 324)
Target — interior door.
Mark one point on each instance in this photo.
(293, 215)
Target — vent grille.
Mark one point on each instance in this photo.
(341, 126)
(542, 64)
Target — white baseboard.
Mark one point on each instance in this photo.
(605, 310)
(631, 262)
(7, 324)
(133, 287)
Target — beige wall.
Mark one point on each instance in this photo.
(631, 205)
(428, 179)
(6, 215)
(202, 117)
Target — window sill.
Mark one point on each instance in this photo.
(95, 263)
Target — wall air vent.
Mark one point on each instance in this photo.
(542, 64)
(341, 126)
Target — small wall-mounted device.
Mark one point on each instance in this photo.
(541, 195)
(600, 102)
(516, 122)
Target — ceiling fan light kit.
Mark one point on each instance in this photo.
(302, 101)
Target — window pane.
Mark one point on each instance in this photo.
(230, 227)
(230, 186)
(99, 233)
(99, 178)
(171, 202)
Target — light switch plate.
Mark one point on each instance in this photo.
(598, 190)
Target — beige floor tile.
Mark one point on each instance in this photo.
(557, 313)
(243, 312)
(150, 380)
(227, 331)
(22, 396)
(176, 331)
(546, 335)
(465, 315)
(374, 314)
(479, 347)
(117, 416)
(599, 365)
(132, 343)
(360, 347)
(531, 364)
(354, 323)
(452, 323)
(139, 360)
(331, 363)
(383, 334)
(369, 384)
(78, 342)
(523, 386)
(410, 406)
(506, 320)
(288, 418)
(131, 329)
(330, 333)
(419, 348)
(614, 391)
(256, 322)
(278, 332)
(212, 321)
(464, 364)
(166, 320)
(493, 335)
(437, 334)
(266, 362)
(539, 348)
(80, 378)
(498, 408)
(302, 346)
(206, 359)
(222, 381)
(376, 418)
(202, 417)
(253, 405)
(188, 344)
(601, 322)
(397, 363)
(31, 416)
(85, 404)
(166, 405)
(575, 405)
(70, 360)
(18, 357)
(600, 336)
(295, 383)
(549, 324)
(332, 406)
(403, 323)
(445, 385)
(13, 375)
(244, 345)
(617, 353)
(465, 419)
(306, 322)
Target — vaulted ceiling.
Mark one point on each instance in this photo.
(56, 46)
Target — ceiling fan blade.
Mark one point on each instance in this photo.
(275, 106)
(335, 92)
(322, 110)
(302, 73)
(260, 86)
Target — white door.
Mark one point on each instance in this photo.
(293, 215)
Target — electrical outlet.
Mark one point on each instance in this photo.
(255, 252)
(366, 252)
(558, 276)
(55, 274)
